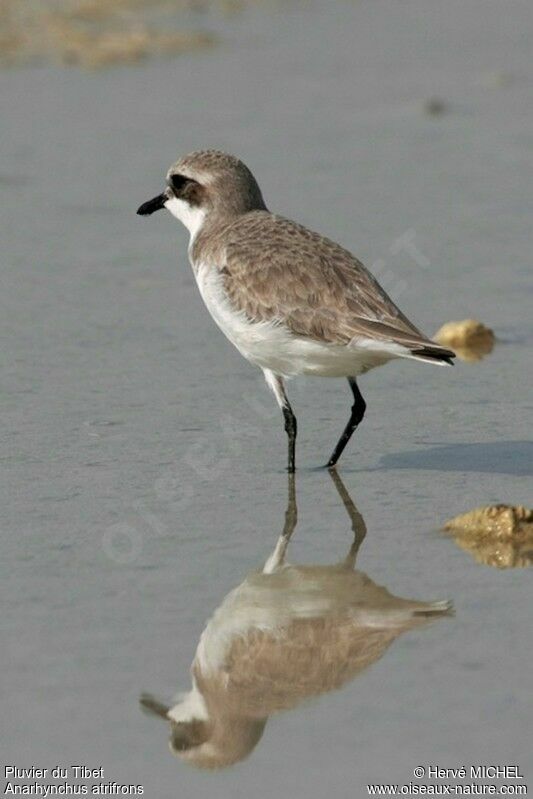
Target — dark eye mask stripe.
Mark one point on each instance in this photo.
(178, 182)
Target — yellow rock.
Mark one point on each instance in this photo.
(470, 339)
(497, 535)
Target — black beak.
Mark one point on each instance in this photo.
(153, 706)
(153, 205)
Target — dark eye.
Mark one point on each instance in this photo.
(178, 182)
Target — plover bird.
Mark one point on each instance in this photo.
(292, 302)
(285, 634)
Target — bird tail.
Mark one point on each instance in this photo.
(406, 614)
(432, 353)
(429, 610)
(401, 340)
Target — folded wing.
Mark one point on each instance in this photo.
(278, 271)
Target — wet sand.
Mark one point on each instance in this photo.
(142, 457)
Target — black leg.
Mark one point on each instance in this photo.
(358, 411)
(290, 429)
(276, 384)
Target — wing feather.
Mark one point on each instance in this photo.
(278, 271)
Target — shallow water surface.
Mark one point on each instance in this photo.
(143, 458)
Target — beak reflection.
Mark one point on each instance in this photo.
(285, 634)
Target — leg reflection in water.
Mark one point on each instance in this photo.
(285, 634)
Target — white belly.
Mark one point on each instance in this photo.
(271, 345)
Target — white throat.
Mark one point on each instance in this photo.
(191, 706)
(192, 217)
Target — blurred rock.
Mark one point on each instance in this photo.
(502, 521)
(470, 339)
(497, 535)
(435, 106)
(72, 46)
(94, 33)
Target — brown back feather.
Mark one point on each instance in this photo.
(278, 270)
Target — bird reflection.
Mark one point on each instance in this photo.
(285, 634)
